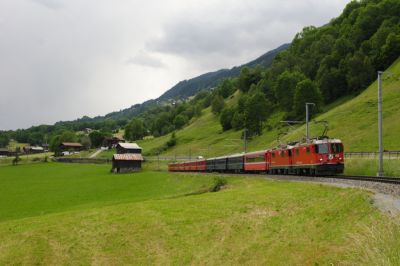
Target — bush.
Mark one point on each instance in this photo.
(219, 182)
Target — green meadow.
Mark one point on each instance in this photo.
(53, 213)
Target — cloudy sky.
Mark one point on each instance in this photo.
(63, 59)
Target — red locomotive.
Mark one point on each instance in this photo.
(318, 157)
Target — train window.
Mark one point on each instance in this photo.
(273, 155)
(322, 148)
(255, 159)
(282, 154)
(308, 150)
(297, 152)
(337, 147)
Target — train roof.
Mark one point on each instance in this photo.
(256, 152)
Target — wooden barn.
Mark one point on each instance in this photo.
(71, 146)
(128, 148)
(127, 162)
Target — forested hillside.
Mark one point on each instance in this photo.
(321, 66)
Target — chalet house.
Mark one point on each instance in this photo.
(112, 142)
(46, 147)
(4, 152)
(33, 149)
(127, 162)
(71, 146)
(128, 148)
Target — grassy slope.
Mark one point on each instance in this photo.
(80, 214)
(354, 121)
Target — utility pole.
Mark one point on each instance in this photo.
(158, 161)
(245, 140)
(307, 121)
(380, 136)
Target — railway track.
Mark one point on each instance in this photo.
(384, 179)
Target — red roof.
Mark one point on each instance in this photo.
(128, 157)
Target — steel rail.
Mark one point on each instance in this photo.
(379, 179)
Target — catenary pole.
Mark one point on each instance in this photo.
(307, 122)
(380, 130)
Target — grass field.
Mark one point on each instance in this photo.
(365, 166)
(26, 159)
(81, 214)
(352, 120)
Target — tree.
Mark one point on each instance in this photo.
(180, 120)
(256, 112)
(172, 141)
(65, 136)
(333, 84)
(97, 137)
(306, 92)
(162, 124)
(226, 118)
(4, 140)
(391, 49)
(217, 104)
(225, 88)
(360, 72)
(134, 130)
(238, 120)
(247, 77)
(285, 88)
(85, 141)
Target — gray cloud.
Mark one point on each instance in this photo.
(96, 56)
(240, 30)
(146, 60)
(52, 4)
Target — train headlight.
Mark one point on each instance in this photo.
(320, 159)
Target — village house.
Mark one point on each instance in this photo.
(4, 152)
(128, 148)
(33, 149)
(71, 146)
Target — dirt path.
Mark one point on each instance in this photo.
(93, 155)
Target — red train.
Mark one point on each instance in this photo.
(319, 157)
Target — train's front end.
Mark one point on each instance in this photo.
(330, 156)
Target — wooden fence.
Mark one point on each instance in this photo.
(386, 155)
(81, 160)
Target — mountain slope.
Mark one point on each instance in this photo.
(187, 88)
(191, 87)
(354, 121)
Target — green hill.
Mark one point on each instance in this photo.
(354, 121)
